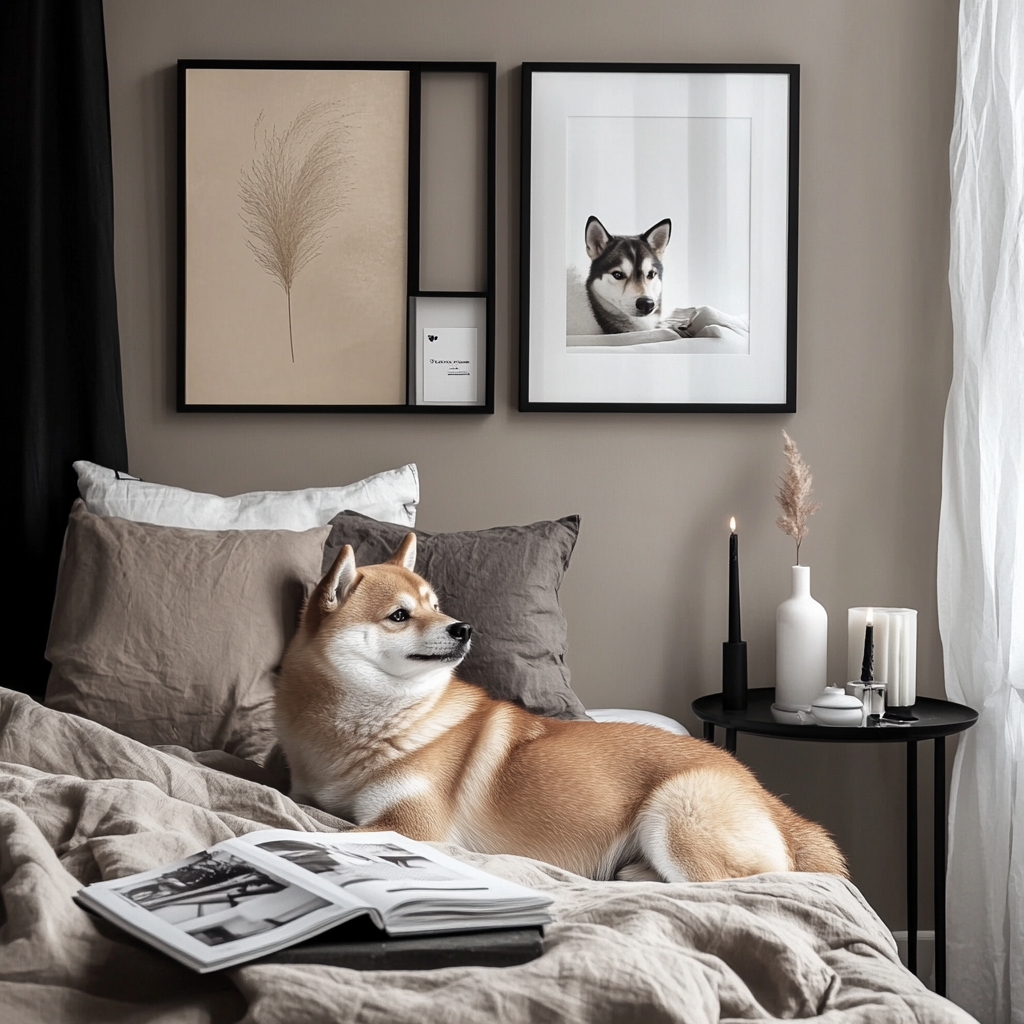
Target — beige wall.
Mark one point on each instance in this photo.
(646, 593)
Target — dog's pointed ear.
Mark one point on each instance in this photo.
(405, 556)
(338, 583)
(658, 236)
(597, 237)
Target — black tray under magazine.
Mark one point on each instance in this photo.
(362, 947)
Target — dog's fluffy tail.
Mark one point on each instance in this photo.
(813, 849)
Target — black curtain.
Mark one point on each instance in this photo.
(61, 380)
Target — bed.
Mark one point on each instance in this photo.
(128, 769)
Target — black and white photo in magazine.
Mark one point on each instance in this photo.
(217, 897)
(349, 865)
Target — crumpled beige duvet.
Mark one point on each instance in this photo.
(79, 803)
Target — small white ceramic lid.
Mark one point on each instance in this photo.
(836, 697)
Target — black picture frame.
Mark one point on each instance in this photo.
(545, 87)
(414, 291)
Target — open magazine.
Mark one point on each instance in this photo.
(258, 893)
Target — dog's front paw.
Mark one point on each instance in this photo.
(680, 321)
(705, 322)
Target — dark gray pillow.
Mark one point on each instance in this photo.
(504, 582)
(173, 636)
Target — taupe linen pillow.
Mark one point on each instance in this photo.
(504, 582)
(172, 636)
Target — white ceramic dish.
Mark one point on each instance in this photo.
(837, 708)
(832, 707)
(849, 718)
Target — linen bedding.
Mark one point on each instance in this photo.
(79, 802)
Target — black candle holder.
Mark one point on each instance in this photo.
(900, 713)
(734, 675)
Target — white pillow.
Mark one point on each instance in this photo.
(642, 717)
(390, 497)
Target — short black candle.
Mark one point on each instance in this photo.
(869, 654)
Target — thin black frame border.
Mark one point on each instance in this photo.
(527, 70)
(415, 69)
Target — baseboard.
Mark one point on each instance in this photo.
(925, 954)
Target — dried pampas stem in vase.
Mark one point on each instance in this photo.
(801, 623)
(794, 495)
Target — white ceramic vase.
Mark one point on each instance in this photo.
(801, 646)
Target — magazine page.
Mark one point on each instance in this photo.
(221, 906)
(406, 880)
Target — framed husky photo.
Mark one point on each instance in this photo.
(659, 236)
(336, 236)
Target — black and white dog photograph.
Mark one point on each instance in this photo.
(658, 234)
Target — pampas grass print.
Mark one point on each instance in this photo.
(297, 182)
(794, 495)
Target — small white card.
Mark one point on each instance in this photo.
(449, 364)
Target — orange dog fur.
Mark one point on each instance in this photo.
(377, 728)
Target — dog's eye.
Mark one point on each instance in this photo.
(399, 615)
(651, 275)
(618, 275)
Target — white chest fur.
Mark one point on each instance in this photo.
(380, 796)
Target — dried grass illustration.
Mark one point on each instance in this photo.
(297, 183)
(794, 495)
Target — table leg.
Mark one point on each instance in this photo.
(939, 793)
(730, 740)
(709, 732)
(912, 855)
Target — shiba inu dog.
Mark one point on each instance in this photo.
(379, 729)
(624, 284)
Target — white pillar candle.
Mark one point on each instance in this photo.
(904, 660)
(895, 641)
(893, 677)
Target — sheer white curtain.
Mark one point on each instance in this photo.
(981, 529)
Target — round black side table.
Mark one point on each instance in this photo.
(936, 719)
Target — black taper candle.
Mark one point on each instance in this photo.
(734, 650)
(734, 588)
(867, 666)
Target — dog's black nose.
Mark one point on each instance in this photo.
(645, 305)
(460, 631)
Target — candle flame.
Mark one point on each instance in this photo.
(871, 617)
(732, 524)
